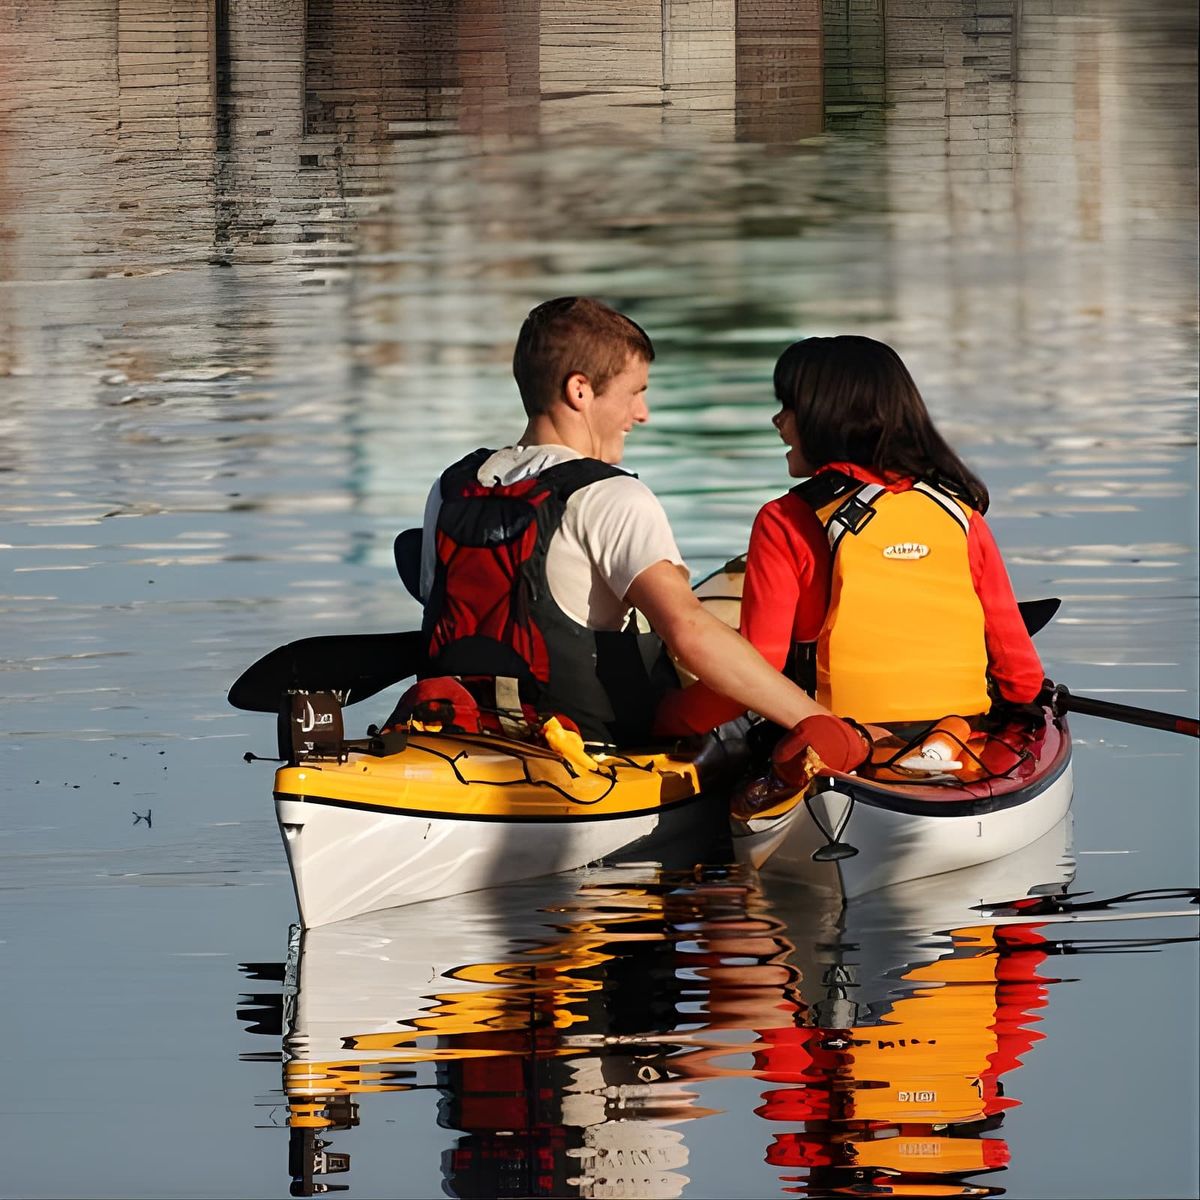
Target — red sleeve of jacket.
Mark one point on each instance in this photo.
(783, 600)
(1012, 660)
(787, 579)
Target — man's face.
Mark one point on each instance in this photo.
(616, 410)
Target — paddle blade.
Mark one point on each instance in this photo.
(354, 666)
(407, 551)
(1037, 613)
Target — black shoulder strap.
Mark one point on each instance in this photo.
(950, 487)
(857, 505)
(568, 477)
(824, 488)
(564, 479)
(463, 471)
(945, 501)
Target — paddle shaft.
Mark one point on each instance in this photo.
(359, 665)
(1062, 700)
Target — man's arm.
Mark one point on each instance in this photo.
(717, 655)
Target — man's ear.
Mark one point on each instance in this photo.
(577, 391)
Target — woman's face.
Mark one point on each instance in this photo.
(785, 422)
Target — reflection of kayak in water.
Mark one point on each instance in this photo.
(483, 991)
(397, 980)
(908, 1083)
(890, 1077)
(568, 1030)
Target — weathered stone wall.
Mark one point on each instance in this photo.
(498, 65)
(136, 133)
(175, 130)
(1097, 121)
(950, 94)
(374, 67)
(270, 183)
(699, 57)
(854, 76)
(108, 133)
(601, 64)
(380, 70)
(779, 85)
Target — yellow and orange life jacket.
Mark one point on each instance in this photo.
(903, 637)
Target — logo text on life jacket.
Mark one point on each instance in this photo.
(906, 550)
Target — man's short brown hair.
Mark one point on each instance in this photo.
(570, 335)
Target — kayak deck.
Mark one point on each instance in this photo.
(1001, 765)
(489, 777)
(447, 814)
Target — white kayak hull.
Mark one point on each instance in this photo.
(349, 860)
(893, 845)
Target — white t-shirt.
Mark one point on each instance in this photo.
(611, 532)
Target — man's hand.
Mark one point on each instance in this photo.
(839, 745)
(717, 655)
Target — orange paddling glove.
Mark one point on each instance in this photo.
(840, 745)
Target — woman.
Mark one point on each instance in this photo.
(876, 583)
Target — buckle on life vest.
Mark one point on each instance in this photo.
(854, 514)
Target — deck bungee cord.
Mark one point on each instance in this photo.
(902, 763)
(452, 760)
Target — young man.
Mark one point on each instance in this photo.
(534, 556)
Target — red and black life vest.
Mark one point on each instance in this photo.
(490, 611)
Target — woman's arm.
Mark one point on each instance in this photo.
(1012, 660)
(786, 592)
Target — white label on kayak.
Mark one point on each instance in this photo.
(906, 550)
(310, 720)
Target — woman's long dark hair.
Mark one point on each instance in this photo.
(854, 401)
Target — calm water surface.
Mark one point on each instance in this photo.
(260, 281)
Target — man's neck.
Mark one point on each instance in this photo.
(558, 429)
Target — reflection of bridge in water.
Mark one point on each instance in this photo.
(250, 130)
